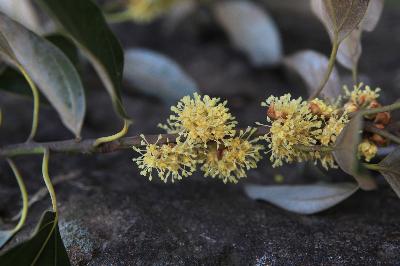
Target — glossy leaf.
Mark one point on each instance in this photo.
(346, 153)
(251, 30)
(84, 22)
(340, 17)
(157, 75)
(48, 67)
(311, 67)
(390, 169)
(45, 247)
(302, 199)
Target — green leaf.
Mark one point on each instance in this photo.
(346, 153)
(48, 67)
(66, 45)
(84, 22)
(390, 169)
(340, 17)
(303, 199)
(14, 82)
(45, 247)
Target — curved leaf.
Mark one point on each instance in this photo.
(251, 30)
(390, 169)
(346, 153)
(48, 67)
(311, 67)
(14, 82)
(45, 247)
(21, 11)
(340, 17)
(350, 50)
(84, 22)
(303, 199)
(158, 75)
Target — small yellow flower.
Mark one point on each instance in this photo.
(147, 10)
(361, 96)
(173, 161)
(231, 161)
(367, 149)
(301, 123)
(319, 107)
(284, 106)
(298, 126)
(332, 128)
(201, 119)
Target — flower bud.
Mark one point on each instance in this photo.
(314, 108)
(382, 118)
(378, 139)
(350, 107)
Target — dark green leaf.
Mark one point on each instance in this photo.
(48, 67)
(45, 247)
(303, 199)
(66, 45)
(84, 22)
(346, 153)
(390, 169)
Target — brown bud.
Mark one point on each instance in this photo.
(380, 126)
(374, 104)
(382, 118)
(361, 99)
(271, 112)
(378, 139)
(314, 108)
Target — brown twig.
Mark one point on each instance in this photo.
(88, 147)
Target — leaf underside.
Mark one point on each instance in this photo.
(303, 199)
(346, 153)
(48, 67)
(391, 170)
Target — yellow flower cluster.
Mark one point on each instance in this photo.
(361, 97)
(295, 123)
(172, 160)
(201, 119)
(231, 162)
(367, 149)
(147, 10)
(205, 135)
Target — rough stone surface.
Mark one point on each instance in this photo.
(112, 216)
